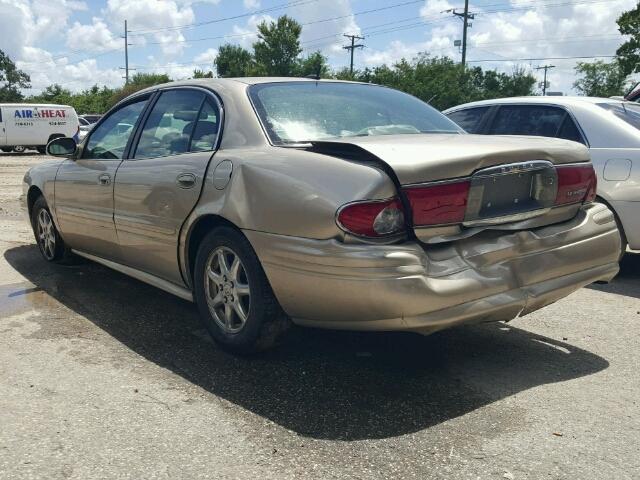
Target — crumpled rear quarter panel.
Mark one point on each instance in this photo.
(493, 275)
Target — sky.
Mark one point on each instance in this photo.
(78, 43)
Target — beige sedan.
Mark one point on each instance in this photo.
(323, 203)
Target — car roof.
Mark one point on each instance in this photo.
(552, 100)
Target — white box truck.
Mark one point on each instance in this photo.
(25, 126)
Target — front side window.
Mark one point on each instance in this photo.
(539, 120)
(469, 118)
(180, 121)
(109, 139)
(294, 112)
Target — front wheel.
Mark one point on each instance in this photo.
(233, 294)
(19, 148)
(42, 150)
(49, 241)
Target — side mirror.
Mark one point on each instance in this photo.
(62, 147)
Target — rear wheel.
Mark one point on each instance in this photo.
(233, 294)
(49, 241)
(6, 149)
(19, 148)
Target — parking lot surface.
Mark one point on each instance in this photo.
(102, 376)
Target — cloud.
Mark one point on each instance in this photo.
(516, 32)
(95, 37)
(251, 4)
(247, 35)
(326, 36)
(153, 20)
(71, 75)
(208, 56)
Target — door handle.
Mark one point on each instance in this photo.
(186, 180)
(104, 179)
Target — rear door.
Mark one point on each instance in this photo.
(159, 184)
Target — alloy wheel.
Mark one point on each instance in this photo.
(227, 289)
(46, 234)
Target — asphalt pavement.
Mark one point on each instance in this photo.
(104, 377)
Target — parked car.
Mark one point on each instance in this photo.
(330, 204)
(91, 118)
(25, 126)
(608, 127)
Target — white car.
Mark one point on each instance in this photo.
(610, 128)
(25, 126)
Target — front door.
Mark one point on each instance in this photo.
(159, 184)
(84, 186)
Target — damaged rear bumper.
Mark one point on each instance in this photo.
(494, 275)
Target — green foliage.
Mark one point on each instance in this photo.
(600, 79)
(202, 74)
(92, 100)
(233, 61)
(629, 52)
(278, 46)
(12, 80)
(138, 82)
(444, 83)
(313, 64)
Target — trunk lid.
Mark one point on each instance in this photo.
(456, 185)
(431, 157)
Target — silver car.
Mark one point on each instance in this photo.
(609, 128)
(323, 203)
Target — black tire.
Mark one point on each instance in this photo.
(6, 149)
(19, 149)
(59, 253)
(265, 322)
(42, 150)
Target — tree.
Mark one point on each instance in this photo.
(278, 46)
(600, 79)
(138, 82)
(11, 80)
(444, 83)
(233, 61)
(314, 64)
(202, 74)
(629, 52)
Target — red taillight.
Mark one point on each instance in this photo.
(372, 218)
(439, 204)
(576, 183)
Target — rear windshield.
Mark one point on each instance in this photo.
(294, 112)
(628, 112)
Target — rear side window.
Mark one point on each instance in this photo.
(628, 112)
(181, 121)
(469, 118)
(543, 121)
(569, 130)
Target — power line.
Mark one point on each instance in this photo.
(539, 58)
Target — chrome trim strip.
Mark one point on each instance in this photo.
(145, 277)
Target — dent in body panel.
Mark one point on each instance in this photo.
(286, 192)
(408, 286)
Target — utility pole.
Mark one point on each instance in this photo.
(544, 82)
(126, 54)
(352, 47)
(465, 16)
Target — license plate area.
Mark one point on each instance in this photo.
(509, 193)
